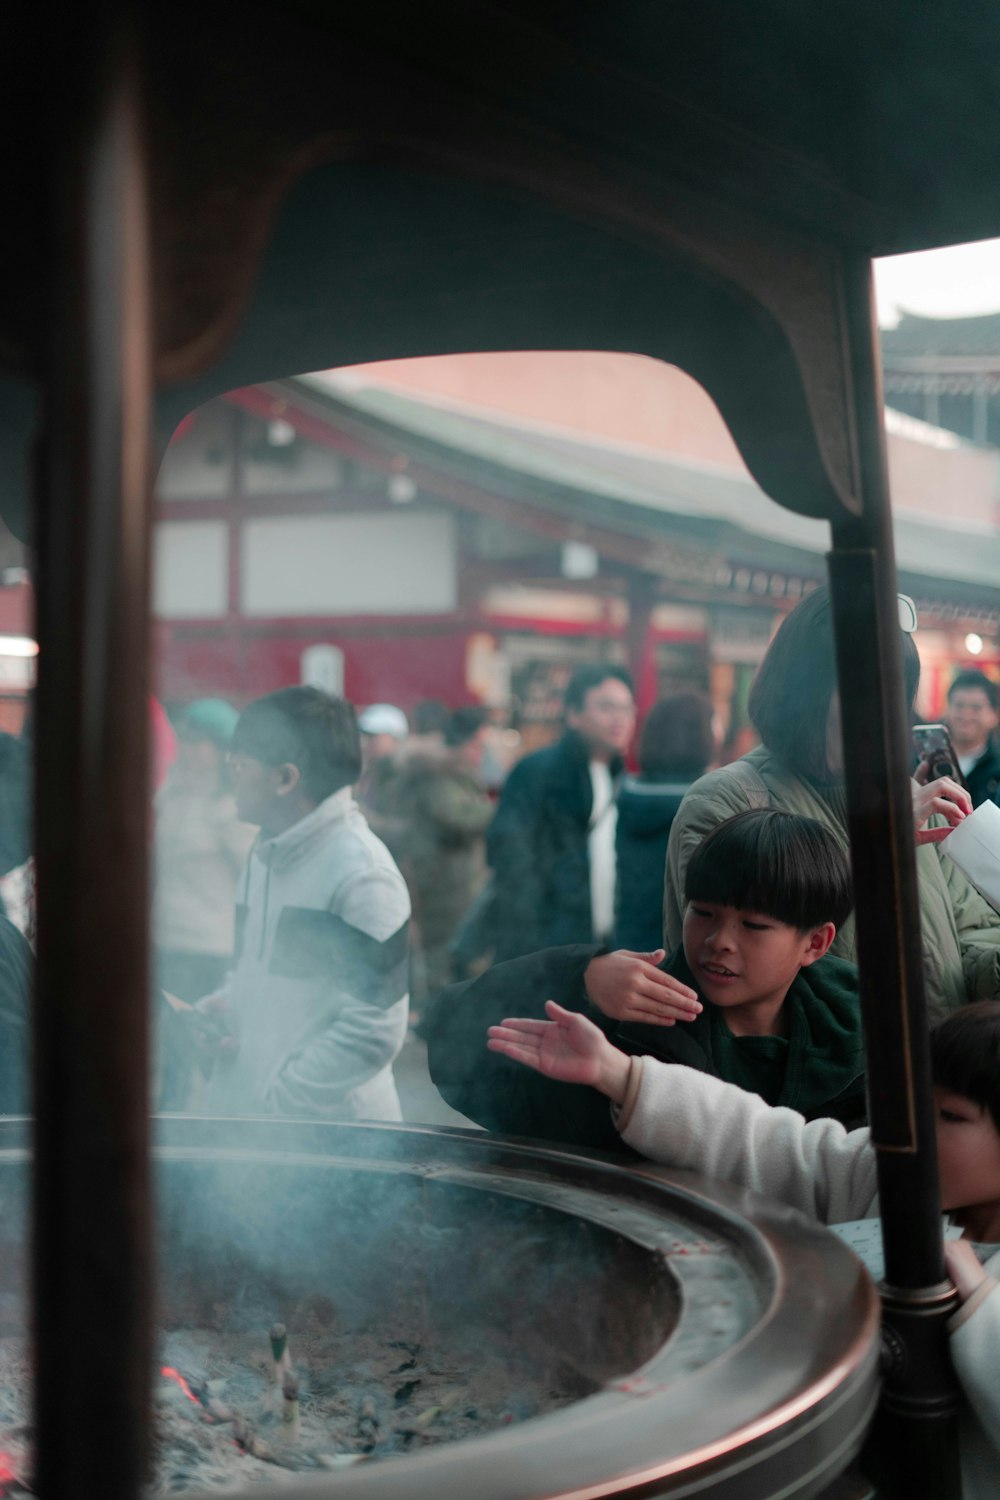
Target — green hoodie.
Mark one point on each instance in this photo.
(817, 1067)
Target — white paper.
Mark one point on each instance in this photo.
(864, 1237)
(975, 847)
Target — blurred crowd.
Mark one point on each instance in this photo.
(380, 858)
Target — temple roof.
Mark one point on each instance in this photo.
(644, 495)
(918, 336)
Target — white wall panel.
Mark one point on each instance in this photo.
(190, 570)
(348, 565)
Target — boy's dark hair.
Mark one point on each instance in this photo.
(790, 697)
(676, 739)
(967, 682)
(310, 730)
(780, 864)
(464, 724)
(590, 676)
(965, 1054)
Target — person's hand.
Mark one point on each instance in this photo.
(567, 1047)
(628, 986)
(963, 1267)
(942, 796)
(212, 1022)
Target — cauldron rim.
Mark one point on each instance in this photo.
(639, 1435)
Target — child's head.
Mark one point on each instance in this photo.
(965, 1055)
(965, 1066)
(291, 750)
(765, 892)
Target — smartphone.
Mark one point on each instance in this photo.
(932, 745)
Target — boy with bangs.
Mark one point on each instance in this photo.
(681, 1118)
(752, 996)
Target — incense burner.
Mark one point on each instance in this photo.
(645, 1332)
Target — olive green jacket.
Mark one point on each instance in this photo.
(961, 931)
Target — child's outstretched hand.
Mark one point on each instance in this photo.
(566, 1047)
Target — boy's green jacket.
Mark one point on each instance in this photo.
(817, 1069)
(961, 931)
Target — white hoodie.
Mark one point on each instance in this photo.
(681, 1118)
(318, 998)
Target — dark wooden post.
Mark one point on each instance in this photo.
(918, 1425)
(91, 1201)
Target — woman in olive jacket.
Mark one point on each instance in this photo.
(795, 709)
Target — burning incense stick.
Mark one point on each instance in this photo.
(290, 1418)
(280, 1353)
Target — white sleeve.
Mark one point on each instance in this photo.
(369, 1001)
(682, 1118)
(975, 1351)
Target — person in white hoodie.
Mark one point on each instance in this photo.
(315, 1010)
(683, 1118)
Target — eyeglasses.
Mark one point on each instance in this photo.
(623, 710)
(907, 613)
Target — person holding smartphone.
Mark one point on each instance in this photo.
(795, 708)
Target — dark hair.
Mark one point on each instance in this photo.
(429, 716)
(965, 1054)
(309, 729)
(966, 682)
(790, 697)
(464, 724)
(676, 739)
(780, 864)
(590, 676)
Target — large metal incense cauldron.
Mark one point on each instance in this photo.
(698, 1340)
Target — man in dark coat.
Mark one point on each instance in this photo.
(551, 845)
(972, 716)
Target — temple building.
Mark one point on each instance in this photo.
(467, 528)
(947, 372)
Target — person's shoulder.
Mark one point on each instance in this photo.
(735, 786)
(538, 765)
(832, 984)
(837, 971)
(364, 878)
(647, 808)
(352, 847)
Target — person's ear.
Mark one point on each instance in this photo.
(289, 777)
(817, 943)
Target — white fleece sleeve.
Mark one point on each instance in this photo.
(975, 1351)
(682, 1118)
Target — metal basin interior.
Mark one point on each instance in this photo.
(712, 1344)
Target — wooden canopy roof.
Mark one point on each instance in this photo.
(342, 183)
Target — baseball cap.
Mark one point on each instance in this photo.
(209, 719)
(383, 718)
